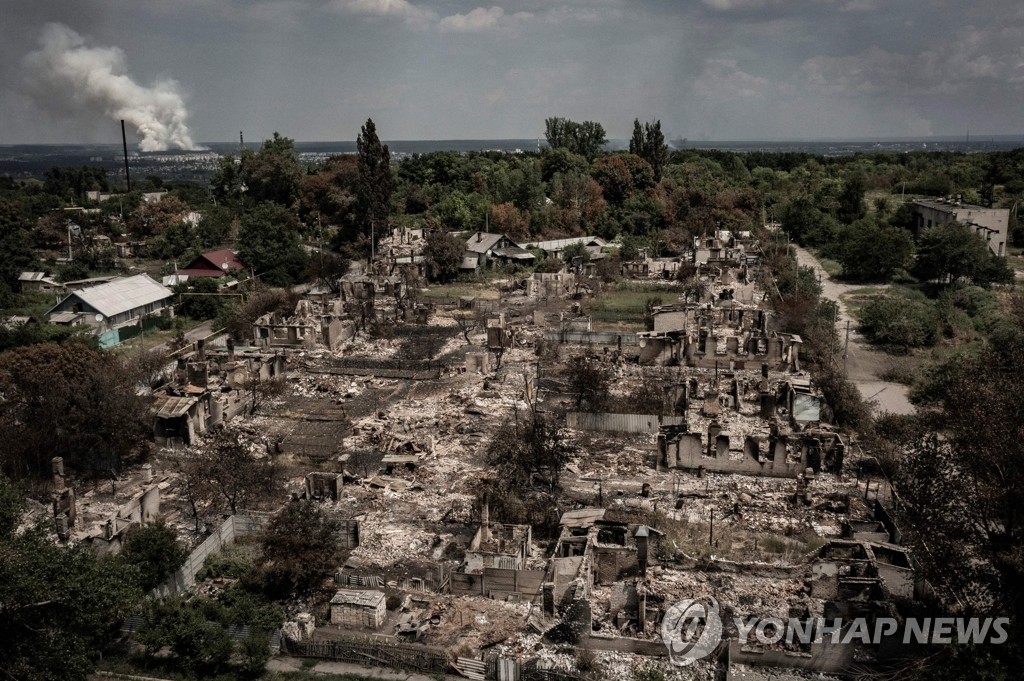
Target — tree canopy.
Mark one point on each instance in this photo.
(585, 139)
(648, 143)
(71, 401)
(950, 252)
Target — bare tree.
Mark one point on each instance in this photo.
(234, 472)
(261, 391)
(194, 485)
(467, 323)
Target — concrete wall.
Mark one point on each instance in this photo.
(232, 529)
(683, 453)
(991, 224)
(825, 656)
(591, 337)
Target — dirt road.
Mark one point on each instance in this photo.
(864, 364)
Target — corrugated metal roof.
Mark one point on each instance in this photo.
(171, 406)
(121, 295)
(513, 252)
(561, 244)
(31, 276)
(64, 317)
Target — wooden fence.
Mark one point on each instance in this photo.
(377, 652)
(620, 423)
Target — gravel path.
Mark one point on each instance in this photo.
(864, 364)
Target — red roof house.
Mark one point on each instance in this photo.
(218, 263)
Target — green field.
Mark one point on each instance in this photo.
(622, 307)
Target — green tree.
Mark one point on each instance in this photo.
(16, 255)
(648, 143)
(615, 178)
(589, 381)
(529, 452)
(851, 200)
(235, 473)
(444, 253)
(199, 298)
(870, 251)
(300, 548)
(950, 252)
(573, 251)
(71, 401)
(957, 486)
(585, 139)
(268, 240)
(198, 646)
(900, 322)
(273, 173)
(375, 182)
(155, 551)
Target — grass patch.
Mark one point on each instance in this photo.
(831, 267)
(856, 299)
(1015, 258)
(625, 304)
(732, 543)
(459, 289)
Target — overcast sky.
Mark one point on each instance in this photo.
(458, 69)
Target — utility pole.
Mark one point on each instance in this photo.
(711, 529)
(846, 345)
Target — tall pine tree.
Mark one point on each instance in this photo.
(375, 183)
(648, 143)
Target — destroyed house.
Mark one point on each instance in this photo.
(498, 546)
(206, 393)
(483, 249)
(616, 550)
(780, 455)
(726, 334)
(312, 325)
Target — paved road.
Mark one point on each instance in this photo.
(330, 667)
(864, 364)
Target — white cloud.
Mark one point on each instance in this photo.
(970, 57)
(397, 8)
(483, 19)
(729, 5)
(723, 80)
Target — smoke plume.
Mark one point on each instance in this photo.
(65, 70)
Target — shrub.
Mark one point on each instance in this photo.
(900, 322)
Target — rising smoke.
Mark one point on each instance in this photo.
(96, 78)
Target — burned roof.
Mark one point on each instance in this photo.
(171, 406)
(585, 517)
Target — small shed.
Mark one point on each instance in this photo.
(358, 608)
